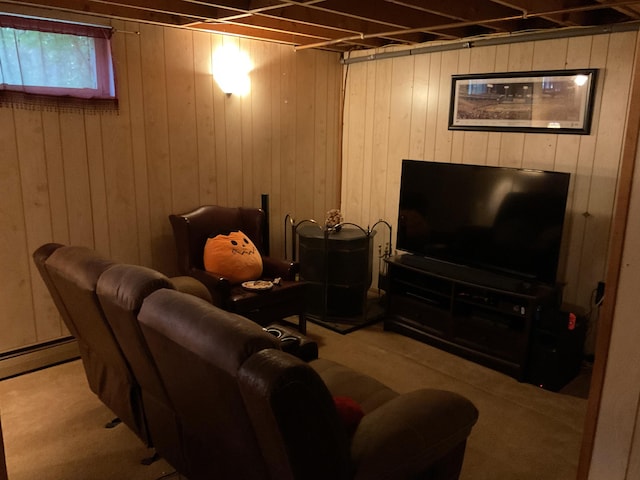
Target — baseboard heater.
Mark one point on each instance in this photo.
(35, 357)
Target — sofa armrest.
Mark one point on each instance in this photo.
(407, 435)
(192, 286)
(273, 268)
(218, 286)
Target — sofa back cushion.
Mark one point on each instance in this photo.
(199, 349)
(121, 290)
(40, 256)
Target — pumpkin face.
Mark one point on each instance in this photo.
(233, 256)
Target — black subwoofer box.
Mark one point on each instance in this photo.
(557, 350)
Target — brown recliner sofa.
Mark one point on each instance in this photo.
(219, 398)
(251, 411)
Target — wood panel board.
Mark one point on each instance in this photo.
(245, 157)
(157, 146)
(181, 118)
(433, 110)
(371, 190)
(260, 119)
(420, 95)
(77, 179)
(204, 119)
(333, 135)
(304, 132)
(383, 163)
(443, 136)
(97, 184)
(609, 136)
(355, 153)
(138, 141)
(288, 97)
(320, 146)
(58, 214)
(278, 231)
(570, 154)
(35, 198)
(55, 177)
(118, 168)
(17, 314)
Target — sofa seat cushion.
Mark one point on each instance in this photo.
(342, 381)
(415, 430)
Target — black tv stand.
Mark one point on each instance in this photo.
(466, 273)
(480, 315)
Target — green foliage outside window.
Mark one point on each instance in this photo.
(33, 58)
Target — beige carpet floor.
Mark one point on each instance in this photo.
(53, 424)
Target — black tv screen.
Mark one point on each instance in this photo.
(505, 220)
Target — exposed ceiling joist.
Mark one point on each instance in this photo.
(342, 25)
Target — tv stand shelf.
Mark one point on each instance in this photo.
(484, 317)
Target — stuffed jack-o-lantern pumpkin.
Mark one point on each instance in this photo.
(233, 256)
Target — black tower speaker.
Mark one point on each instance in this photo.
(557, 350)
(264, 204)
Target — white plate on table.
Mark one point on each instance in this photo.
(258, 285)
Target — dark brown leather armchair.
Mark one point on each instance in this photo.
(251, 411)
(191, 231)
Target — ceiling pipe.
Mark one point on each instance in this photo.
(497, 40)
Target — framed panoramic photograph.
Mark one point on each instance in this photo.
(558, 101)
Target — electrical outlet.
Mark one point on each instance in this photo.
(599, 293)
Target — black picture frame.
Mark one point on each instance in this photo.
(546, 101)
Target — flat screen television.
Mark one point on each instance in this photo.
(507, 221)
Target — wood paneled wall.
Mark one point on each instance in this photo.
(616, 449)
(398, 108)
(109, 181)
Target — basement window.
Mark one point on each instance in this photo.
(55, 64)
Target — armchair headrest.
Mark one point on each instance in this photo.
(192, 229)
